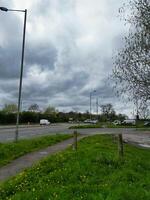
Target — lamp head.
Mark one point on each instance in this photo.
(4, 9)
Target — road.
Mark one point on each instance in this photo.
(8, 133)
(129, 134)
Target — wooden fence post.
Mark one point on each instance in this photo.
(120, 145)
(75, 140)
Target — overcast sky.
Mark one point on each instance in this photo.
(69, 50)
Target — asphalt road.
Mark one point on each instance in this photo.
(8, 133)
(129, 134)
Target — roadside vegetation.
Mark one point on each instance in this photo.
(139, 125)
(86, 126)
(10, 151)
(143, 129)
(92, 172)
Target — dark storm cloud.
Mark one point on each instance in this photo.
(9, 63)
(68, 86)
(10, 58)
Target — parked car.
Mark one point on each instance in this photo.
(147, 123)
(90, 121)
(129, 121)
(70, 120)
(95, 121)
(87, 121)
(44, 122)
(117, 122)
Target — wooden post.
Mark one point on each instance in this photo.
(113, 138)
(75, 140)
(120, 145)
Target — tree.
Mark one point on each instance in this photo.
(10, 108)
(34, 108)
(144, 110)
(132, 64)
(108, 111)
(122, 117)
(50, 110)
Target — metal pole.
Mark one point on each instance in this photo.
(90, 105)
(14, 10)
(97, 106)
(21, 75)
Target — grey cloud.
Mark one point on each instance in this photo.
(10, 58)
(69, 86)
(44, 55)
(73, 56)
(10, 44)
(9, 63)
(42, 7)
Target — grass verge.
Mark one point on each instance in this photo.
(86, 126)
(94, 172)
(10, 151)
(109, 125)
(143, 129)
(101, 126)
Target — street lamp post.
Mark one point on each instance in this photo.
(22, 63)
(97, 106)
(91, 103)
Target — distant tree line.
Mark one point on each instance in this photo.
(33, 115)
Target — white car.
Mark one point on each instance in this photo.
(90, 121)
(117, 122)
(44, 122)
(129, 121)
(95, 121)
(87, 121)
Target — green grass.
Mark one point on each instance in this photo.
(107, 125)
(143, 129)
(120, 126)
(10, 151)
(86, 126)
(111, 125)
(94, 172)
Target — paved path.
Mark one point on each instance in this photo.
(29, 159)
